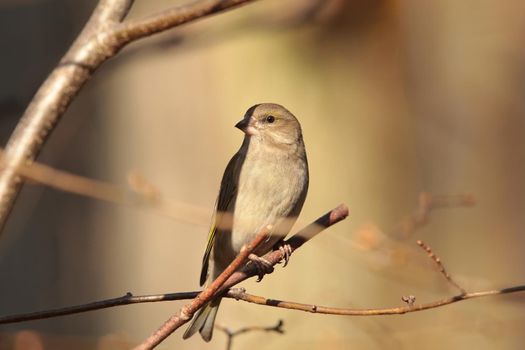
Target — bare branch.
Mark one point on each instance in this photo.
(274, 257)
(230, 278)
(126, 299)
(240, 295)
(136, 29)
(440, 265)
(103, 37)
(144, 196)
(325, 221)
(187, 311)
(223, 284)
(277, 328)
(428, 202)
(112, 11)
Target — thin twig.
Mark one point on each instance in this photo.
(277, 328)
(240, 295)
(126, 299)
(140, 197)
(440, 266)
(428, 202)
(136, 29)
(386, 243)
(67, 182)
(187, 311)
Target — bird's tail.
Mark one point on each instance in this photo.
(203, 321)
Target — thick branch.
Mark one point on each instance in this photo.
(102, 37)
(112, 11)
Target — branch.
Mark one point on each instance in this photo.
(295, 242)
(229, 278)
(277, 328)
(440, 266)
(137, 29)
(126, 299)
(103, 36)
(241, 295)
(325, 221)
(187, 311)
(144, 195)
(428, 202)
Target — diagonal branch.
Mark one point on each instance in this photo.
(439, 264)
(135, 29)
(112, 11)
(103, 36)
(223, 284)
(295, 242)
(187, 311)
(325, 221)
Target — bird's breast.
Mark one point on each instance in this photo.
(271, 191)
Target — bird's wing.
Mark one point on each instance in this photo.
(227, 195)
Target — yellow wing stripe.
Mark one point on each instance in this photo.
(207, 252)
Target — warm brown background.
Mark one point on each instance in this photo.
(394, 97)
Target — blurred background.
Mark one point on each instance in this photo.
(395, 98)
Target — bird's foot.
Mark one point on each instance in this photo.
(262, 265)
(286, 251)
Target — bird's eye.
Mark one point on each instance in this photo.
(270, 119)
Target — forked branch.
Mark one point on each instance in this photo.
(103, 36)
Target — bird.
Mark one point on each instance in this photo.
(265, 183)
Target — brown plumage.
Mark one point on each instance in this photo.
(265, 183)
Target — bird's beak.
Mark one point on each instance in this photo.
(246, 125)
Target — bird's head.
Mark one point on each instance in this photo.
(271, 122)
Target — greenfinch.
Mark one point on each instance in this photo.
(265, 183)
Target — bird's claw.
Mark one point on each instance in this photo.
(262, 266)
(286, 251)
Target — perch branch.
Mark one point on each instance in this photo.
(325, 221)
(295, 242)
(222, 284)
(187, 311)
